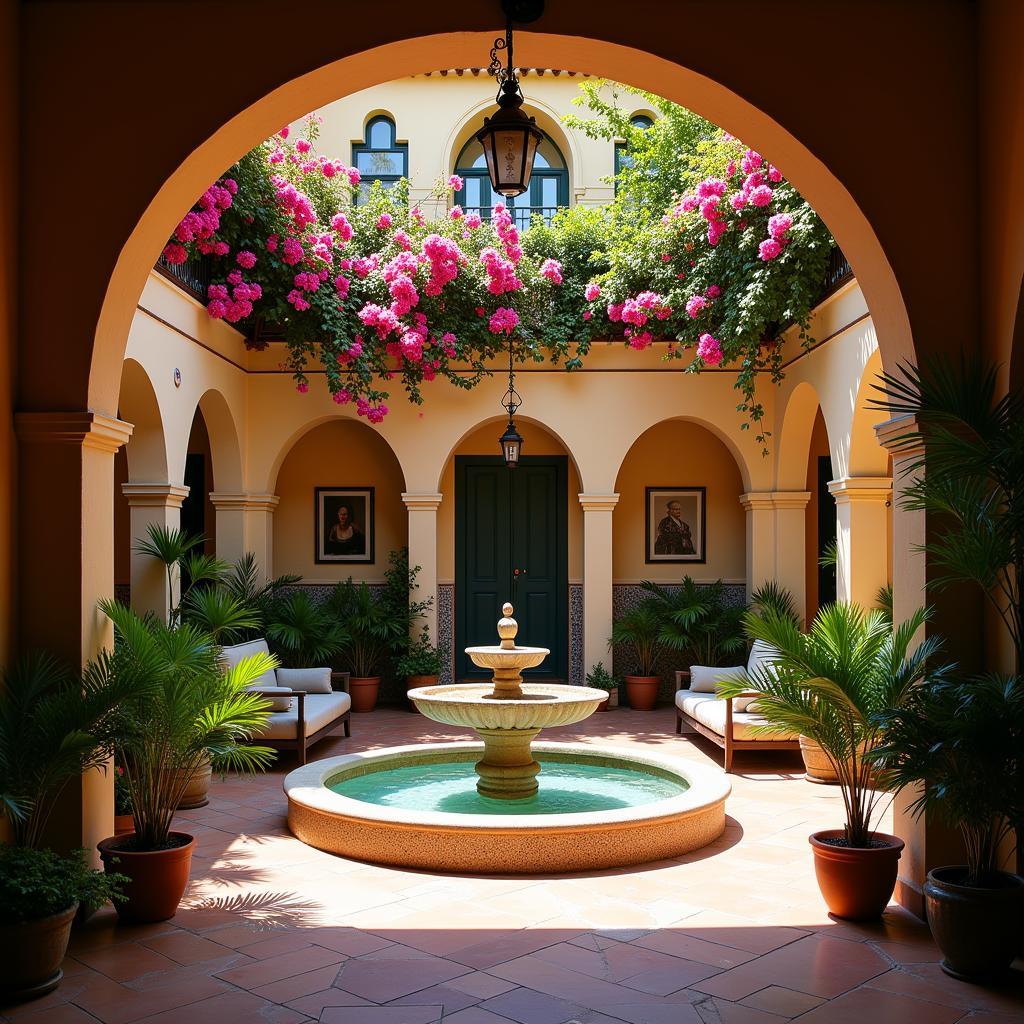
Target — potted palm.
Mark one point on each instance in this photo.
(831, 684)
(698, 622)
(303, 634)
(599, 678)
(640, 631)
(53, 726)
(959, 744)
(185, 712)
(421, 663)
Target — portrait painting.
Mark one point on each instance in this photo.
(343, 524)
(675, 524)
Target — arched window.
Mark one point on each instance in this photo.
(622, 157)
(549, 185)
(379, 157)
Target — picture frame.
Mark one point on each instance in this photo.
(343, 525)
(676, 525)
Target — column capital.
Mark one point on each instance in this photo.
(598, 502)
(900, 436)
(146, 495)
(426, 502)
(88, 429)
(244, 502)
(861, 489)
(763, 501)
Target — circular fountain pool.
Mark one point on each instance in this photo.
(418, 806)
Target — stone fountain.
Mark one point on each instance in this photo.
(506, 713)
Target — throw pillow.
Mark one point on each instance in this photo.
(705, 678)
(308, 680)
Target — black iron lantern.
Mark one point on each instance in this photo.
(510, 138)
(511, 441)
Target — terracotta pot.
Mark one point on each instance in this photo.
(414, 683)
(123, 824)
(31, 955)
(818, 768)
(363, 691)
(197, 793)
(856, 883)
(157, 878)
(642, 691)
(979, 931)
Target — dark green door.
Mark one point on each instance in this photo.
(511, 544)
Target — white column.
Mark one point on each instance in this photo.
(423, 551)
(153, 504)
(776, 541)
(760, 509)
(245, 522)
(862, 527)
(597, 576)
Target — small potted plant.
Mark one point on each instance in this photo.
(184, 712)
(421, 663)
(40, 892)
(123, 820)
(959, 743)
(640, 631)
(831, 684)
(599, 678)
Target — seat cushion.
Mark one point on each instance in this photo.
(308, 680)
(709, 710)
(321, 709)
(231, 656)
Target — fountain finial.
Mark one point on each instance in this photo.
(507, 627)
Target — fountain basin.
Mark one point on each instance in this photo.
(515, 841)
(542, 705)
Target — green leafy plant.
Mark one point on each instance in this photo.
(247, 584)
(772, 596)
(374, 632)
(54, 725)
(184, 710)
(40, 883)
(640, 630)
(601, 679)
(304, 634)
(959, 743)
(696, 621)
(422, 658)
(831, 684)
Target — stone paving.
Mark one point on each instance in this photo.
(736, 933)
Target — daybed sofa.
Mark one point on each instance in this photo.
(305, 707)
(730, 724)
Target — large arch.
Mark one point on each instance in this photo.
(360, 70)
(794, 440)
(225, 449)
(147, 448)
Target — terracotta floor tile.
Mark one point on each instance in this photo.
(481, 984)
(265, 972)
(488, 954)
(116, 1004)
(185, 948)
(929, 982)
(878, 1007)
(349, 941)
(63, 1013)
(690, 947)
(721, 1011)
(474, 1015)
(529, 1007)
(384, 980)
(656, 1013)
(783, 1001)
(288, 989)
(126, 962)
(315, 1003)
(450, 999)
(381, 1015)
(663, 981)
(228, 1008)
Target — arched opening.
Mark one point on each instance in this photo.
(380, 157)
(198, 516)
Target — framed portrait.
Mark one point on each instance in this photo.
(343, 524)
(676, 524)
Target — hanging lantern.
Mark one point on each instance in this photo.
(511, 445)
(511, 441)
(509, 137)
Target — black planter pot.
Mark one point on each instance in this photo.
(979, 931)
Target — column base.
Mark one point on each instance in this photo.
(507, 771)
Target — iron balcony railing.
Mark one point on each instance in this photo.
(837, 273)
(521, 215)
(195, 276)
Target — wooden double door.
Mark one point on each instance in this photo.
(511, 544)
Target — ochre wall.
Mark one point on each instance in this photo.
(341, 454)
(681, 454)
(484, 441)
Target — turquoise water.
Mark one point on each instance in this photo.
(564, 789)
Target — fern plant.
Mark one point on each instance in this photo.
(697, 621)
(640, 631)
(304, 634)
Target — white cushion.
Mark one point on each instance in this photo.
(320, 709)
(710, 712)
(279, 697)
(308, 680)
(231, 656)
(705, 678)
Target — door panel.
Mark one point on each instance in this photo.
(532, 499)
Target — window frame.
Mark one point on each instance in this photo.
(622, 148)
(398, 148)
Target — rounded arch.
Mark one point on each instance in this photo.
(225, 449)
(867, 457)
(147, 447)
(713, 100)
(801, 410)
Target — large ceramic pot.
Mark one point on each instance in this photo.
(642, 691)
(197, 793)
(156, 878)
(979, 931)
(31, 954)
(414, 683)
(123, 824)
(856, 883)
(817, 767)
(363, 691)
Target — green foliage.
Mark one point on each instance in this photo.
(303, 634)
(696, 621)
(601, 679)
(832, 683)
(772, 596)
(40, 883)
(422, 658)
(640, 630)
(53, 726)
(373, 632)
(960, 744)
(183, 710)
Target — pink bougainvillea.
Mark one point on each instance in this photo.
(709, 349)
(503, 321)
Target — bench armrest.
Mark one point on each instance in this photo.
(339, 681)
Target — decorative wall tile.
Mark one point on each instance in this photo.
(576, 667)
(446, 630)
